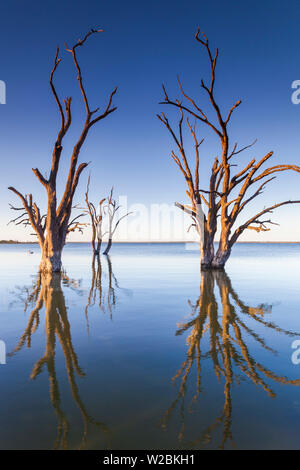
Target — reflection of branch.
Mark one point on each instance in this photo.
(58, 327)
(227, 350)
(96, 287)
(34, 319)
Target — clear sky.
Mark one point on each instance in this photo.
(144, 45)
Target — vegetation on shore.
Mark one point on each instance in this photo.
(14, 242)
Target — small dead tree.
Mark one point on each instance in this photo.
(227, 193)
(111, 208)
(52, 231)
(96, 221)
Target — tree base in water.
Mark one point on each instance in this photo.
(211, 267)
(51, 264)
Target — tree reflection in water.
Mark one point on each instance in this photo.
(47, 292)
(105, 293)
(228, 352)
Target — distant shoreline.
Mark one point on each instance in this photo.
(16, 242)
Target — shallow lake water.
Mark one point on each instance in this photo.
(142, 351)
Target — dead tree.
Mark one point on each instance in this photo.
(48, 294)
(227, 193)
(52, 231)
(96, 221)
(111, 209)
(218, 334)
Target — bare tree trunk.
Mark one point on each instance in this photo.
(220, 258)
(97, 251)
(108, 247)
(96, 247)
(210, 260)
(51, 263)
(223, 252)
(51, 254)
(207, 252)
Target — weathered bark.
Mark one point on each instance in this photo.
(220, 258)
(222, 205)
(52, 229)
(207, 252)
(51, 262)
(52, 253)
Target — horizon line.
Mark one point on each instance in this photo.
(16, 242)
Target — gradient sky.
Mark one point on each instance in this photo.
(144, 45)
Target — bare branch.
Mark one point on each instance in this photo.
(255, 219)
(40, 177)
(32, 212)
(236, 152)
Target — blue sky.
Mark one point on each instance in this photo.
(145, 45)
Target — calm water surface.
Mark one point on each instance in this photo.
(141, 351)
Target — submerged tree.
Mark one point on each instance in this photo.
(96, 218)
(111, 209)
(227, 192)
(51, 231)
